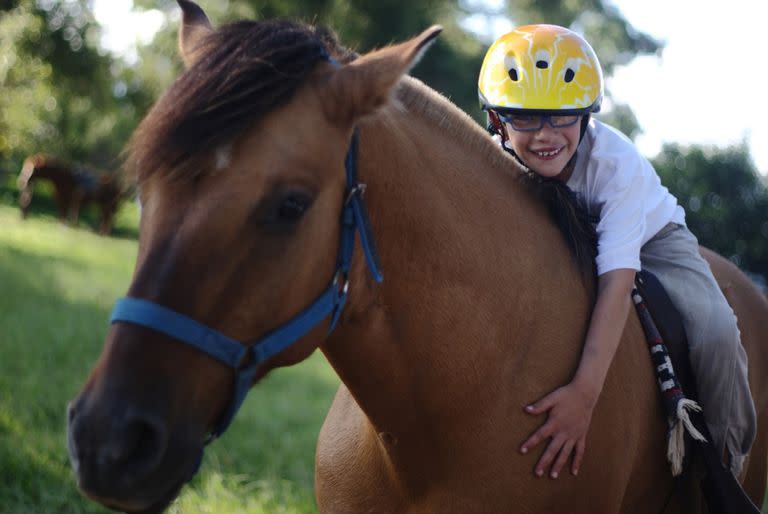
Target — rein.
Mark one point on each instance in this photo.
(245, 358)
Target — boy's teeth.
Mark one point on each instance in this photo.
(547, 154)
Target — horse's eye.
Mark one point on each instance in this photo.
(283, 210)
(292, 208)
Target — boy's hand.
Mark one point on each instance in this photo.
(569, 413)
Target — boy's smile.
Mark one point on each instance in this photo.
(546, 151)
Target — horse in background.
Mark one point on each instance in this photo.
(73, 188)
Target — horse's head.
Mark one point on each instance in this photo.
(241, 172)
(28, 169)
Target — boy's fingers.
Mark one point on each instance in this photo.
(579, 455)
(537, 408)
(542, 405)
(542, 433)
(562, 458)
(547, 402)
(548, 457)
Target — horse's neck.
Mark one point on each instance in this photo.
(473, 271)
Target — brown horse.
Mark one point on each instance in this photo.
(73, 189)
(246, 217)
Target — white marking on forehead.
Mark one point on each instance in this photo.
(223, 157)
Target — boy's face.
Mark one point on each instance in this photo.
(547, 150)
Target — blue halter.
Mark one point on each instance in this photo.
(244, 359)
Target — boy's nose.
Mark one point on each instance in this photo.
(546, 132)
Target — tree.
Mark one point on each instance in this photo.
(63, 94)
(725, 198)
(451, 67)
(453, 63)
(59, 94)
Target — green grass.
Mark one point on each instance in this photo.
(58, 285)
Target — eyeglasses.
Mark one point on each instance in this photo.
(535, 122)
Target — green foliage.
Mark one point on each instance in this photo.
(453, 63)
(59, 89)
(63, 95)
(451, 66)
(28, 105)
(725, 199)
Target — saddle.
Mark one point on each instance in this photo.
(721, 491)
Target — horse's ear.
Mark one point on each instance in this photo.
(194, 27)
(365, 84)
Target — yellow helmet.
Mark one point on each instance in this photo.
(541, 68)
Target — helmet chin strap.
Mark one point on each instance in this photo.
(496, 127)
(584, 124)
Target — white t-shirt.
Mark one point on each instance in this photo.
(622, 190)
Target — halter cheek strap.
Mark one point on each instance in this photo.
(245, 359)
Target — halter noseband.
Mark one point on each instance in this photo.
(245, 358)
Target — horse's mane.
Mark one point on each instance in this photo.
(572, 217)
(565, 209)
(249, 68)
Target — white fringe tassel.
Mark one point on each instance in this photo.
(676, 443)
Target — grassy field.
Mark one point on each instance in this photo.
(58, 285)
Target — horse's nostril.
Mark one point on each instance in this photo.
(134, 450)
(149, 438)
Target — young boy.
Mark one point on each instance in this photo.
(539, 85)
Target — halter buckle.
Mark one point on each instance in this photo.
(337, 279)
(356, 190)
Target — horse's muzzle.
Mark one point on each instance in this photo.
(120, 457)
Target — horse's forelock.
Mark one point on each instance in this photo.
(246, 70)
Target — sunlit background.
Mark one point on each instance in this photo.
(707, 85)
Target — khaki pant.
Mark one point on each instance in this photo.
(718, 359)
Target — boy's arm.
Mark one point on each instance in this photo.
(570, 407)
